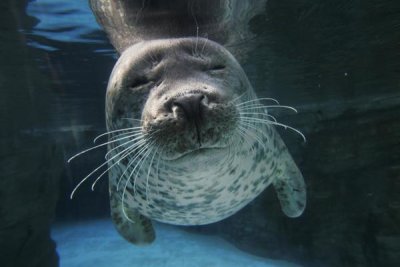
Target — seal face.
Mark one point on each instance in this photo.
(189, 143)
(183, 97)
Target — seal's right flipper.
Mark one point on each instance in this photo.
(133, 226)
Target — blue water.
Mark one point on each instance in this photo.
(65, 21)
(63, 24)
(96, 243)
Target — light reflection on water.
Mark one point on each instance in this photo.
(62, 21)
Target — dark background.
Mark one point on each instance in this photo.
(337, 62)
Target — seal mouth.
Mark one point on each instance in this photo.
(202, 152)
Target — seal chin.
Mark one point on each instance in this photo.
(202, 154)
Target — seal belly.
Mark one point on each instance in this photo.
(208, 195)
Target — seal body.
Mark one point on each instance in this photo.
(189, 143)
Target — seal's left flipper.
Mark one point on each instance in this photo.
(289, 184)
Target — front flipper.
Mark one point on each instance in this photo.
(133, 226)
(289, 183)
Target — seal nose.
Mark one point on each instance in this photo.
(191, 106)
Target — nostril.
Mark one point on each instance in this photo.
(190, 104)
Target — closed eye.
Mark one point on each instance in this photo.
(139, 81)
(217, 67)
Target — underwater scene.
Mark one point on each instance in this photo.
(200, 133)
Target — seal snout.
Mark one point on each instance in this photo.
(192, 106)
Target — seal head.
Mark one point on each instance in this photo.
(182, 94)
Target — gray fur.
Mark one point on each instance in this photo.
(128, 22)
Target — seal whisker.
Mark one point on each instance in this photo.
(227, 155)
(139, 12)
(126, 185)
(153, 58)
(191, 5)
(258, 99)
(140, 165)
(133, 134)
(91, 173)
(272, 106)
(237, 135)
(140, 138)
(114, 136)
(158, 174)
(253, 135)
(258, 120)
(197, 38)
(252, 106)
(230, 147)
(237, 98)
(92, 148)
(259, 113)
(252, 126)
(126, 169)
(132, 119)
(127, 153)
(245, 136)
(204, 45)
(132, 148)
(249, 140)
(129, 178)
(148, 174)
(132, 129)
(143, 148)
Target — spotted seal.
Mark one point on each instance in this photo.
(189, 142)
